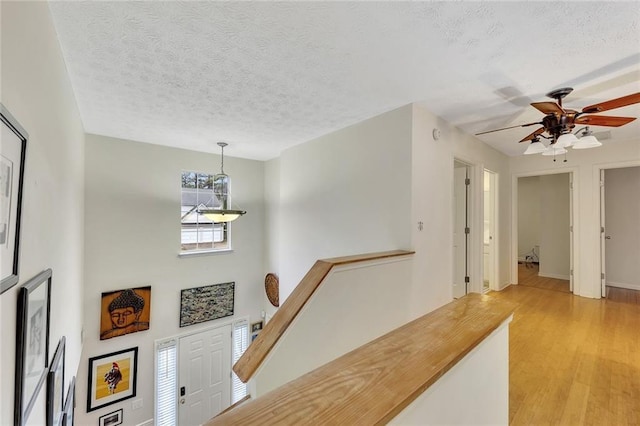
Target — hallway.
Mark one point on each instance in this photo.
(573, 360)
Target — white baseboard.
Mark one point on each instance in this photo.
(146, 423)
(503, 286)
(624, 285)
(556, 276)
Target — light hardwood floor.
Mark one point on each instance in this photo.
(573, 360)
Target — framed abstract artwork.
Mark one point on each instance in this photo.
(112, 378)
(200, 304)
(12, 159)
(55, 387)
(125, 311)
(32, 343)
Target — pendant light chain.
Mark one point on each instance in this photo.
(222, 145)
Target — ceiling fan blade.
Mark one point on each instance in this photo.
(600, 120)
(506, 128)
(548, 107)
(613, 104)
(534, 134)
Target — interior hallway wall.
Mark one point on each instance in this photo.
(133, 198)
(37, 92)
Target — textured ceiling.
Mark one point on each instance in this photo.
(265, 76)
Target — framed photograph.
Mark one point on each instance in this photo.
(12, 156)
(32, 343)
(112, 378)
(206, 303)
(55, 387)
(70, 404)
(256, 326)
(111, 419)
(125, 311)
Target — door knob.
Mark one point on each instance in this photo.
(608, 237)
(182, 400)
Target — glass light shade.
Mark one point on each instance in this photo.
(535, 147)
(552, 150)
(566, 140)
(219, 215)
(586, 142)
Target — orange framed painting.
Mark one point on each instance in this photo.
(112, 378)
(125, 311)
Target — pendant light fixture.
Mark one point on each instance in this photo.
(221, 183)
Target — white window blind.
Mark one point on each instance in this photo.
(240, 343)
(166, 383)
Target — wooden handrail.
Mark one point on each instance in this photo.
(375, 382)
(275, 328)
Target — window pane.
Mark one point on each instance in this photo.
(205, 181)
(197, 231)
(188, 180)
(166, 384)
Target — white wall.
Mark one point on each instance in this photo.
(37, 92)
(474, 392)
(362, 300)
(528, 215)
(555, 248)
(344, 193)
(432, 204)
(271, 223)
(587, 164)
(133, 239)
(622, 216)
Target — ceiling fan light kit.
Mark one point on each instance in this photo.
(535, 147)
(559, 122)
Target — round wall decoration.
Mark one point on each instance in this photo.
(272, 288)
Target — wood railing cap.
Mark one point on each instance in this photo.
(375, 382)
(258, 350)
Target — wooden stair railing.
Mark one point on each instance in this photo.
(284, 316)
(373, 383)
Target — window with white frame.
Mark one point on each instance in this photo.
(240, 344)
(167, 383)
(198, 233)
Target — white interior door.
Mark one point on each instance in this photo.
(459, 236)
(204, 375)
(603, 282)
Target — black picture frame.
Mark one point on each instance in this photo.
(206, 303)
(32, 343)
(55, 386)
(112, 419)
(12, 160)
(103, 390)
(70, 404)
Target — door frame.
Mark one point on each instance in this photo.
(230, 322)
(495, 231)
(598, 172)
(573, 239)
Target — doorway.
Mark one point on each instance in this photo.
(620, 229)
(543, 228)
(490, 240)
(461, 229)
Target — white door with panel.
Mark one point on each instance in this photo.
(204, 389)
(460, 236)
